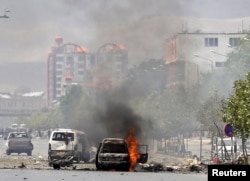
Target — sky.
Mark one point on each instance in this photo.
(28, 34)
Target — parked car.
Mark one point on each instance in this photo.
(18, 142)
(113, 153)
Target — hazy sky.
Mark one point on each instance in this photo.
(29, 33)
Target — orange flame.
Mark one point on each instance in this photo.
(133, 149)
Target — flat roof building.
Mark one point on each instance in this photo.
(189, 55)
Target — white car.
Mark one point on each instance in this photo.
(19, 142)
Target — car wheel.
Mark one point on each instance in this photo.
(86, 157)
(56, 166)
(78, 157)
(7, 153)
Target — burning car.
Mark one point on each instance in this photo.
(115, 154)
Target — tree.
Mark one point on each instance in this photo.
(208, 114)
(69, 103)
(235, 110)
(238, 60)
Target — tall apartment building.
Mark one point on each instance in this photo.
(67, 63)
(188, 55)
(111, 64)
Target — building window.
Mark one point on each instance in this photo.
(234, 42)
(58, 66)
(58, 72)
(60, 59)
(80, 58)
(80, 72)
(69, 59)
(80, 65)
(211, 42)
(219, 64)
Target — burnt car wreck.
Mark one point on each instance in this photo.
(113, 154)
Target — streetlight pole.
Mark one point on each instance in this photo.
(217, 53)
(211, 61)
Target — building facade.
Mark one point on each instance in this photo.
(189, 55)
(66, 63)
(111, 66)
(19, 105)
(70, 64)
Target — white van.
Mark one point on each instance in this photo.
(68, 142)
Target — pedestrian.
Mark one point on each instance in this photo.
(49, 133)
(216, 159)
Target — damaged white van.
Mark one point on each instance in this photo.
(68, 145)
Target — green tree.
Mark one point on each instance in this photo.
(69, 103)
(235, 110)
(171, 112)
(44, 120)
(209, 114)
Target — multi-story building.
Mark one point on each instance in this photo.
(25, 104)
(189, 55)
(67, 63)
(70, 64)
(111, 65)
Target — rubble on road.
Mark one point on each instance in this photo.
(156, 163)
(172, 164)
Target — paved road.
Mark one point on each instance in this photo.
(41, 148)
(203, 147)
(54, 175)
